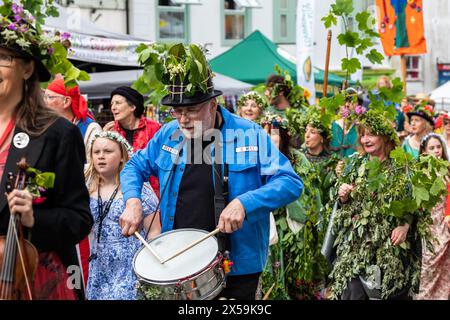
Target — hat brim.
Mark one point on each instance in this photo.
(430, 120)
(189, 101)
(42, 72)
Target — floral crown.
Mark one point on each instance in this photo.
(111, 135)
(182, 69)
(423, 110)
(252, 95)
(378, 124)
(428, 136)
(21, 30)
(298, 96)
(440, 120)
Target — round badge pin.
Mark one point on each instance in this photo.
(21, 140)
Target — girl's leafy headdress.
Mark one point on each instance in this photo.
(321, 121)
(179, 70)
(22, 33)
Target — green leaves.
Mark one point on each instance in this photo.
(374, 56)
(329, 20)
(351, 65)
(349, 39)
(342, 7)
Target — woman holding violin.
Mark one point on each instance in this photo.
(59, 219)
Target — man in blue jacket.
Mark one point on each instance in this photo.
(190, 156)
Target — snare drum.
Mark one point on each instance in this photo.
(196, 274)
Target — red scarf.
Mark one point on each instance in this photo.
(79, 105)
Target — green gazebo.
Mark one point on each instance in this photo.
(253, 59)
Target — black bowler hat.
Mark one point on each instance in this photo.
(177, 96)
(41, 70)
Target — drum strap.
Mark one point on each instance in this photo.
(221, 201)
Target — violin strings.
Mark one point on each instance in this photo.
(22, 262)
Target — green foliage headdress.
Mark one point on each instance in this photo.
(179, 71)
(297, 96)
(378, 124)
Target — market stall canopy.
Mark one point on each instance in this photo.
(441, 95)
(253, 59)
(91, 43)
(102, 84)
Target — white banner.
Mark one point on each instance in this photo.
(305, 46)
(94, 49)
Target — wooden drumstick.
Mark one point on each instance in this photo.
(192, 245)
(147, 245)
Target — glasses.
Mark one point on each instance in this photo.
(6, 60)
(49, 97)
(189, 112)
(446, 122)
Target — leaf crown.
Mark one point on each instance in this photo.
(180, 68)
(379, 124)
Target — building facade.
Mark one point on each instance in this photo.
(220, 24)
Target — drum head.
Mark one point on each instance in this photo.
(192, 261)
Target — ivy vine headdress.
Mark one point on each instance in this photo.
(21, 33)
(321, 121)
(379, 124)
(182, 70)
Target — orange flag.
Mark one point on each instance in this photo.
(401, 27)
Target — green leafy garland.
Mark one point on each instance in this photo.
(387, 194)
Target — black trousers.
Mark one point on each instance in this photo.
(355, 291)
(242, 287)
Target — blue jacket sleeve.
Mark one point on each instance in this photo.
(280, 184)
(139, 168)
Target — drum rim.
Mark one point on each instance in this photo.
(210, 264)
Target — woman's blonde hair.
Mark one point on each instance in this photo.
(91, 175)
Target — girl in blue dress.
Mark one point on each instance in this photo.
(111, 275)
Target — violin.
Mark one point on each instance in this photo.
(18, 257)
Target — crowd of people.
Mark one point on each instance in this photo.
(299, 176)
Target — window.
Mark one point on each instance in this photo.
(172, 24)
(235, 21)
(284, 20)
(414, 69)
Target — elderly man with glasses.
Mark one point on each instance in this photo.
(216, 170)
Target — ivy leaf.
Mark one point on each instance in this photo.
(351, 65)
(375, 57)
(329, 20)
(45, 180)
(177, 50)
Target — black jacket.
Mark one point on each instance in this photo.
(64, 218)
